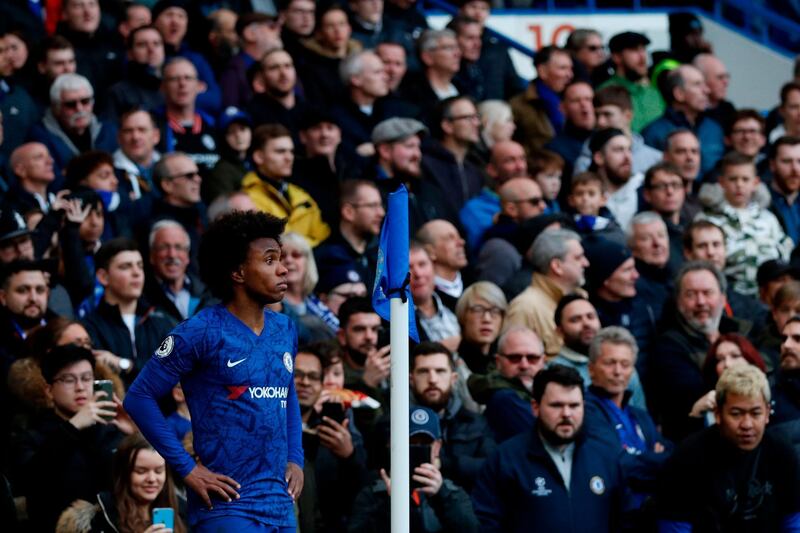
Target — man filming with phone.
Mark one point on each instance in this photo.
(67, 454)
(437, 504)
(467, 437)
(335, 460)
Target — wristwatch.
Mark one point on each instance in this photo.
(125, 364)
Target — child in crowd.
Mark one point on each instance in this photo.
(546, 168)
(752, 233)
(587, 198)
(180, 420)
(236, 129)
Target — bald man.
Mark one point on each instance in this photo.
(446, 249)
(717, 79)
(507, 160)
(521, 199)
(32, 164)
(687, 96)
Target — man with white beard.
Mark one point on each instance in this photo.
(171, 287)
(675, 375)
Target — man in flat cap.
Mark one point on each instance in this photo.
(629, 55)
(398, 159)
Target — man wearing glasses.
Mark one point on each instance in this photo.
(71, 445)
(331, 446)
(356, 239)
(506, 390)
(178, 178)
(186, 127)
(445, 164)
(171, 287)
(70, 126)
(664, 190)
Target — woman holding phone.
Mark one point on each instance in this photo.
(143, 489)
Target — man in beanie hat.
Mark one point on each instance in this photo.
(613, 160)
(325, 165)
(437, 504)
(339, 282)
(611, 282)
(629, 55)
(15, 237)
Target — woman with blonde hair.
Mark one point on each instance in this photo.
(300, 302)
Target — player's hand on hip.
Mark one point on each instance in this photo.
(336, 437)
(207, 484)
(294, 478)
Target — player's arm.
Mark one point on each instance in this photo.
(172, 360)
(294, 440)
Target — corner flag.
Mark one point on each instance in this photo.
(392, 275)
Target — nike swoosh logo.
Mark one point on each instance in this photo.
(232, 364)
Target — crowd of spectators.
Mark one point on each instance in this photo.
(603, 262)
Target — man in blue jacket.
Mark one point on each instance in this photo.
(553, 476)
(612, 360)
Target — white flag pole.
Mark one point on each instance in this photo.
(401, 483)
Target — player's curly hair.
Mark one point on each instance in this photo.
(225, 244)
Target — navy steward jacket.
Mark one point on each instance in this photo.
(520, 488)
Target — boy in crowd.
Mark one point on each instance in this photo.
(546, 167)
(752, 233)
(587, 198)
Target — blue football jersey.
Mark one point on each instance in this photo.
(239, 388)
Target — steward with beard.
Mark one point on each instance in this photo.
(466, 440)
(554, 476)
(675, 376)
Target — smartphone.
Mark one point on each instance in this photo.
(164, 516)
(334, 411)
(310, 444)
(417, 455)
(106, 386)
(384, 336)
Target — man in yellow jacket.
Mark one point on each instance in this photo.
(267, 186)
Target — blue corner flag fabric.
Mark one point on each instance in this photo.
(392, 275)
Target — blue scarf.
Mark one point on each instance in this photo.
(552, 104)
(628, 430)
